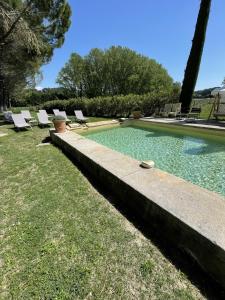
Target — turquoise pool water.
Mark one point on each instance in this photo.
(200, 160)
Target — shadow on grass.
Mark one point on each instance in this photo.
(22, 129)
(183, 262)
(47, 140)
(3, 122)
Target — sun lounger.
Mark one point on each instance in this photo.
(63, 113)
(79, 116)
(166, 110)
(43, 112)
(26, 114)
(55, 111)
(19, 121)
(175, 110)
(8, 116)
(220, 111)
(43, 119)
(170, 110)
(194, 112)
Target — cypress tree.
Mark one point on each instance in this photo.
(194, 60)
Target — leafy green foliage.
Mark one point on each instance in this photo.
(175, 94)
(71, 79)
(30, 30)
(111, 106)
(30, 97)
(116, 71)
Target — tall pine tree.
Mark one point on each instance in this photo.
(30, 30)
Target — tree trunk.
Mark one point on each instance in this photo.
(194, 60)
(2, 92)
(7, 98)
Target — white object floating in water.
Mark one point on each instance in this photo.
(147, 164)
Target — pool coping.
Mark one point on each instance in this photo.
(188, 216)
(182, 123)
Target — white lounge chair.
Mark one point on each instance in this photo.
(55, 111)
(26, 114)
(43, 112)
(8, 116)
(175, 110)
(63, 114)
(79, 116)
(166, 110)
(19, 121)
(43, 119)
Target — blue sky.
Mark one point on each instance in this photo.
(160, 29)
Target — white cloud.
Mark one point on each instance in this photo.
(39, 88)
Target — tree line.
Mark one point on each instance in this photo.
(115, 71)
(33, 97)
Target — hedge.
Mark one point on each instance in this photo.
(33, 97)
(111, 106)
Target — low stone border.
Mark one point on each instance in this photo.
(102, 123)
(188, 216)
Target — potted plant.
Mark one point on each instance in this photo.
(136, 113)
(59, 123)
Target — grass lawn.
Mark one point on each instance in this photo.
(61, 239)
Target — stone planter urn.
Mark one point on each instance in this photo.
(136, 114)
(59, 123)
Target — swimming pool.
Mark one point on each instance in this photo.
(199, 158)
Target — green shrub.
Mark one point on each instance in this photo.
(111, 106)
(18, 109)
(32, 97)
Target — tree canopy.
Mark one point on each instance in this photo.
(115, 71)
(30, 30)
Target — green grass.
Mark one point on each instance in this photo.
(61, 239)
(206, 109)
(18, 109)
(205, 113)
(206, 106)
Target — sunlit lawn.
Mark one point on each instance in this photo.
(61, 239)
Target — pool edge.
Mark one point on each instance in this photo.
(188, 127)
